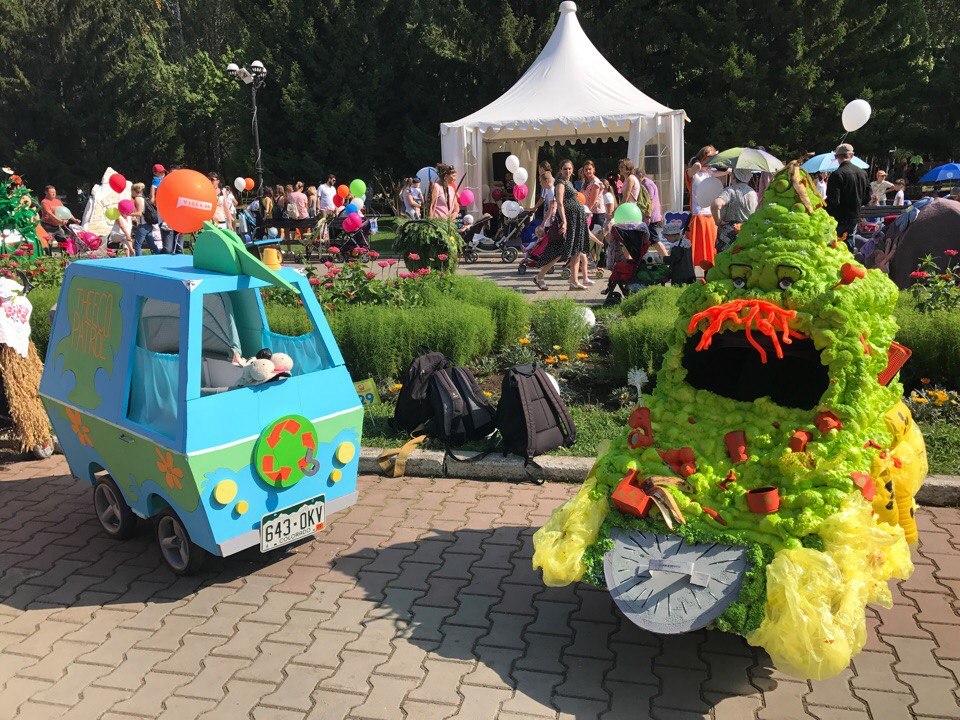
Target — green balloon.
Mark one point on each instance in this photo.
(628, 213)
(358, 188)
(112, 213)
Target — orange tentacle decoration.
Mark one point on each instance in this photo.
(764, 316)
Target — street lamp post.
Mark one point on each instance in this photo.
(255, 77)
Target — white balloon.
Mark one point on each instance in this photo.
(520, 176)
(468, 219)
(511, 209)
(587, 314)
(427, 175)
(240, 184)
(855, 115)
(358, 201)
(513, 163)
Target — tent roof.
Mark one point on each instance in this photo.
(569, 87)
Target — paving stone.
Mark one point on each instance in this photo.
(832, 713)
(210, 681)
(886, 705)
(353, 673)
(506, 631)
(326, 648)
(533, 694)
(187, 660)
(472, 610)
(784, 701)
(130, 673)
(19, 690)
(299, 683)
(406, 660)
(584, 678)
(95, 703)
(543, 653)
(835, 692)
(242, 697)
(916, 656)
(494, 668)
(733, 707)
(330, 705)
(900, 620)
(59, 657)
(629, 701)
(150, 698)
(269, 664)
(459, 642)
(935, 695)
(68, 689)
(441, 682)
(729, 675)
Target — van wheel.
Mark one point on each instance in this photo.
(179, 553)
(115, 516)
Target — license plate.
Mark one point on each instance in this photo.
(291, 524)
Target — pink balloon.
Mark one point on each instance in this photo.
(126, 207)
(520, 191)
(352, 222)
(466, 197)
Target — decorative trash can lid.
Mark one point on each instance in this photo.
(666, 586)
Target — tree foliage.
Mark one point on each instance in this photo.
(361, 87)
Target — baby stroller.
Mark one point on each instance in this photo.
(529, 261)
(505, 239)
(349, 245)
(77, 241)
(636, 241)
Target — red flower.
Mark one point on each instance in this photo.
(919, 274)
(373, 254)
(328, 264)
(334, 250)
(382, 263)
(391, 262)
(442, 256)
(424, 271)
(371, 276)
(404, 275)
(314, 281)
(950, 253)
(413, 256)
(19, 253)
(328, 284)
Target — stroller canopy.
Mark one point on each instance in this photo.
(570, 92)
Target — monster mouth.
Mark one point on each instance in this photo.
(732, 367)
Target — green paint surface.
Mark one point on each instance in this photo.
(96, 326)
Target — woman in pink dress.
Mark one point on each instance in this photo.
(443, 194)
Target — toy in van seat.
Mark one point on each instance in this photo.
(172, 396)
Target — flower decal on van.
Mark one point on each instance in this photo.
(78, 426)
(171, 473)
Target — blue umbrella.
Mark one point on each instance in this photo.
(950, 171)
(827, 162)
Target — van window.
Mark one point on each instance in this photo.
(155, 373)
(234, 326)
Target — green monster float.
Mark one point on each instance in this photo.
(766, 486)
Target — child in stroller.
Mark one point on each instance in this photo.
(635, 269)
(348, 245)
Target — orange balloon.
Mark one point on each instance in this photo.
(250, 183)
(186, 199)
(582, 198)
(343, 191)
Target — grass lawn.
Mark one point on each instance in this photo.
(943, 447)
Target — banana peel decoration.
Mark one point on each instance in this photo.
(653, 486)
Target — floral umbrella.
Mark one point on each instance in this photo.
(746, 159)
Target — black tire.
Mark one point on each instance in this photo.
(115, 516)
(178, 551)
(508, 255)
(522, 269)
(471, 256)
(613, 298)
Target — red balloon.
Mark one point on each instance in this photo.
(497, 194)
(337, 200)
(343, 191)
(186, 199)
(118, 183)
(250, 184)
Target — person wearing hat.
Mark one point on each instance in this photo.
(879, 188)
(159, 173)
(735, 204)
(847, 189)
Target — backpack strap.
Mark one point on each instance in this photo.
(394, 462)
(559, 408)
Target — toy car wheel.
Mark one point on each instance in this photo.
(508, 255)
(522, 269)
(179, 553)
(115, 516)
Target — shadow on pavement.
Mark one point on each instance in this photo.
(473, 595)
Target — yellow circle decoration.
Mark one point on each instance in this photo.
(345, 452)
(225, 491)
(242, 507)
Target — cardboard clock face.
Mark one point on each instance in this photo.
(286, 451)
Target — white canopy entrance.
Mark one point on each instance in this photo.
(569, 93)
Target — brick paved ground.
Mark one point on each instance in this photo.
(419, 602)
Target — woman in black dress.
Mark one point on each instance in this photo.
(569, 239)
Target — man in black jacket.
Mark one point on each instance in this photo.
(847, 189)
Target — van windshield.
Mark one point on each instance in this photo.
(240, 348)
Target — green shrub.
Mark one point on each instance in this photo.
(380, 342)
(662, 297)
(286, 319)
(934, 338)
(640, 341)
(427, 240)
(558, 323)
(510, 311)
(42, 299)
(943, 447)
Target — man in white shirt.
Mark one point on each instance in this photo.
(327, 192)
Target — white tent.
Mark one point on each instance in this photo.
(569, 93)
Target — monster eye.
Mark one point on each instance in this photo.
(739, 282)
(787, 275)
(740, 274)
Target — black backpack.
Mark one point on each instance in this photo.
(150, 214)
(532, 417)
(461, 412)
(413, 404)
